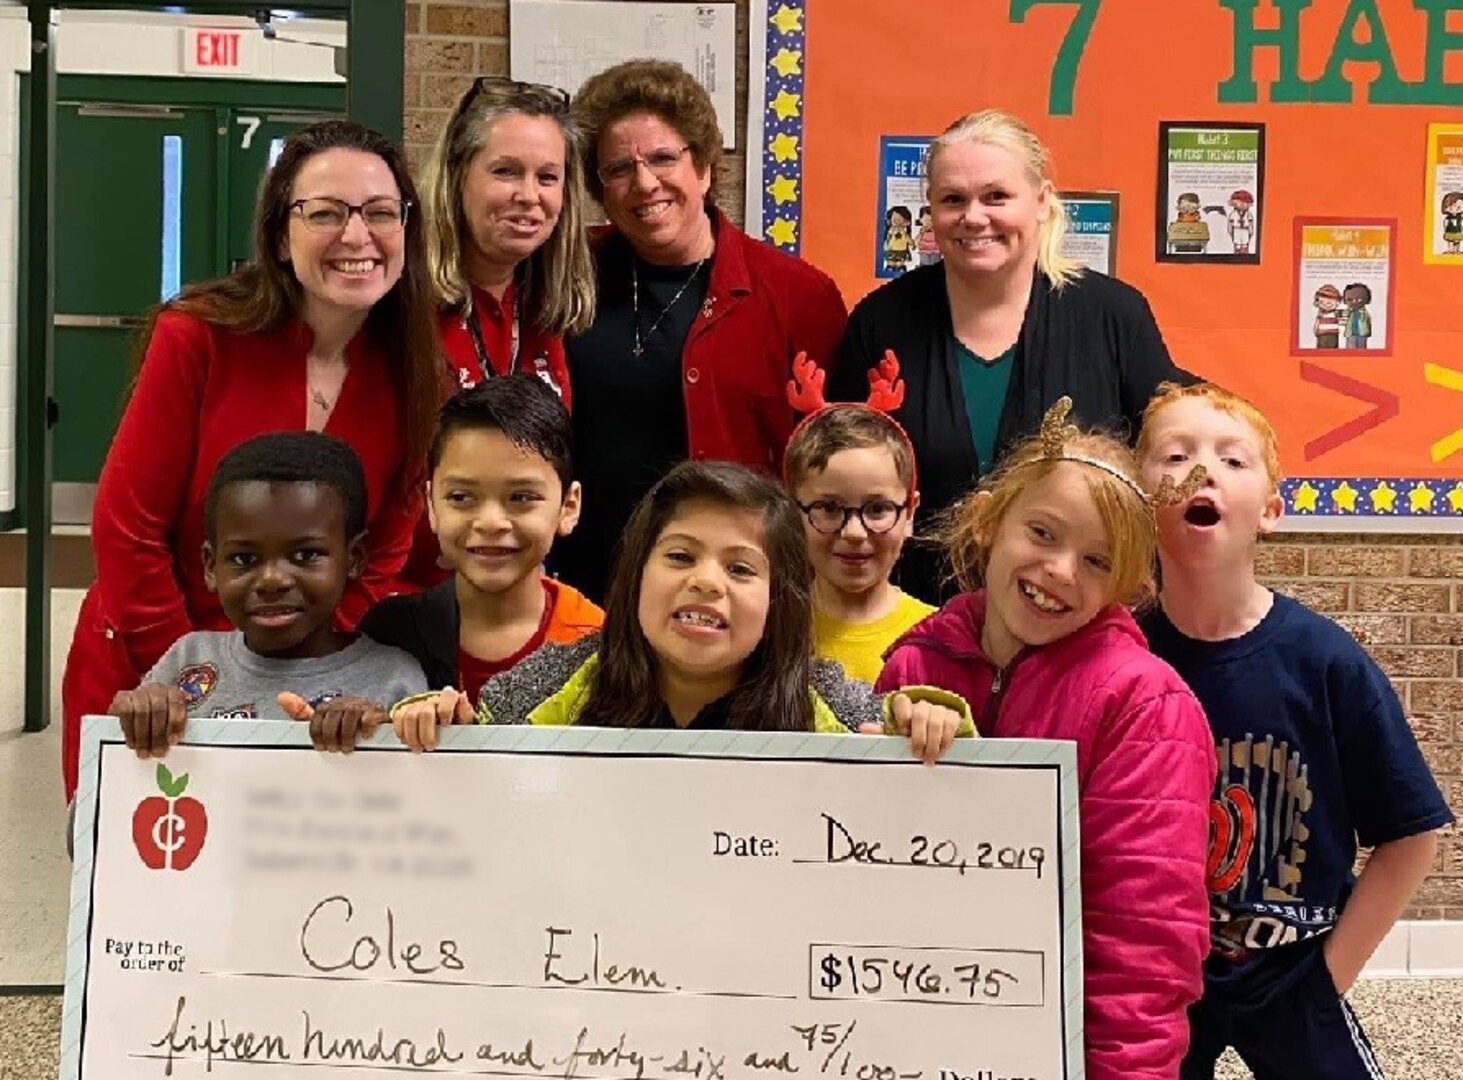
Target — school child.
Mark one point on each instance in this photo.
(284, 516)
(1316, 758)
(708, 624)
(502, 489)
(1052, 549)
(851, 470)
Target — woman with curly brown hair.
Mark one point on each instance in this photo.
(331, 328)
(697, 324)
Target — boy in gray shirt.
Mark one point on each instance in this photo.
(285, 519)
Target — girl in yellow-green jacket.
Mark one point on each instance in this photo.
(708, 624)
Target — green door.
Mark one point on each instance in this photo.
(136, 217)
(254, 140)
(149, 198)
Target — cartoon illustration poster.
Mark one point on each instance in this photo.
(905, 237)
(1092, 229)
(1343, 286)
(1210, 192)
(1343, 136)
(1443, 211)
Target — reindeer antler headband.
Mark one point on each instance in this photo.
(1056, 432)
(886, 393)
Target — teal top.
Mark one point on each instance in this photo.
(983, 384)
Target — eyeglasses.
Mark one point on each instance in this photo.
(660, 162)
(552, 98)
(383, 216)
(831, 518)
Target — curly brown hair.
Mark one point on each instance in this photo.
(661, 88)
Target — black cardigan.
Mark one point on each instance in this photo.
(1095, 340)
(424, 624)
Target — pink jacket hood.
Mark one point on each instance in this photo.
(1146, 768)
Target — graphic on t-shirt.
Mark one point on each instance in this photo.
(246, 711)
(196, 682)
(1257, 848)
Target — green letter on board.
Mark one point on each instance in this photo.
(1240, 86)
(1333, 84)
(1440, 42)
(1064, 71)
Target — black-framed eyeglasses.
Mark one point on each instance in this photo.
(383, 216)
(551, 98)
(831, 518)
(660, 162)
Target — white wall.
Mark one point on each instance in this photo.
(14, 58)
(137, 43)
(118, 43)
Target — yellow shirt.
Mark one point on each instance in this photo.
(859, 647)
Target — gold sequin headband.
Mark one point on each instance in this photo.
(1055, 433)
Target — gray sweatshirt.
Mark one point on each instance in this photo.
(221, 677)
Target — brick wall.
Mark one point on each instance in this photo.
(1401, 597)
(450, 42)
(1396, 594)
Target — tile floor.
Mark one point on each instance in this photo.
(34, 869)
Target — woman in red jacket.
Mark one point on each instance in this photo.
(503, 196)
(331, 329)
(696, 325)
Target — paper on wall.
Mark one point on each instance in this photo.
(564, 42)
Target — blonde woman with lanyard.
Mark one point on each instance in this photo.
(503, 193)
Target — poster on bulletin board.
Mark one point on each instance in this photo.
(1292, 125)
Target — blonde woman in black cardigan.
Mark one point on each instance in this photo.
(1000, 328)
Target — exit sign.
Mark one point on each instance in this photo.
(218, 52)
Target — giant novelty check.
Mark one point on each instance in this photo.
(574, 905)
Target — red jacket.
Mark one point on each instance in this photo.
(538, 354)
(762, 308)
(1145, 770)
(201, 392)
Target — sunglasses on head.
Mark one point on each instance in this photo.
(553, 97)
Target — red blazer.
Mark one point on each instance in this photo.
(201, 392)
(762, 308)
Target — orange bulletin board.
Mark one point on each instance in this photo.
(1361, 103)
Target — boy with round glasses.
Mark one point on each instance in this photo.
(851, 469)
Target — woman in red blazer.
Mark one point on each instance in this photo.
(696, 323)
(331, 328)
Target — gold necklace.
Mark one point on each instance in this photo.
(318, 398)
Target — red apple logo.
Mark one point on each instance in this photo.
(169, 832)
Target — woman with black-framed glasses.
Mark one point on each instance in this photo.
(509, 259)
(696, 323)
(331, 328)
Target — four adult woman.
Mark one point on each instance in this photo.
(1001, 327)
(696, 326)
(503, 195)
(331, 328)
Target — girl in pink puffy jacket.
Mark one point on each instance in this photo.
(1053, 549)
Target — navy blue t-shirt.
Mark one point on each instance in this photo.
(1315, 758)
